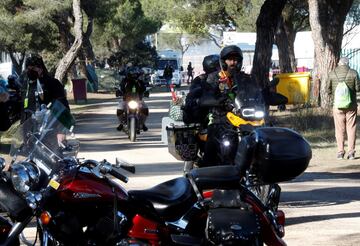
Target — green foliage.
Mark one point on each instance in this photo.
(123, 25)
(27, 26)
(296, 13)
(199, 16)
(178, 41)
(141, 54)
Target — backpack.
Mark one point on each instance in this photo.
(342, 96)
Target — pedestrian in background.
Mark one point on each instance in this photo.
(190, 73)
(168, 74)
(344, 116)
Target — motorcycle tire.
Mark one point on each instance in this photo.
(132, 129)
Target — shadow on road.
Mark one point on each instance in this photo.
(92, 145)
(320, 197)
(314, 218)
(312, 176)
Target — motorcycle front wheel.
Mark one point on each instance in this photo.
(132, 129)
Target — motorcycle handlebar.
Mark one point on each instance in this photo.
(117, 174)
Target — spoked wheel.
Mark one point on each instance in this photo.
(132, 129)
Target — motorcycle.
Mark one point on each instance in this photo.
(246, 112)
(75, 202)
(133, 113)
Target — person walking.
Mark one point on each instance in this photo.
(168, 74)
(190, 73)
(343, 82)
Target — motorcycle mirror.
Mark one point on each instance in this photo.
(125, 165)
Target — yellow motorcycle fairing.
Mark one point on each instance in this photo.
(237, 121)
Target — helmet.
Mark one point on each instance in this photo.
(34, 60)
(231, 51)
(211, 63)
(133, 72)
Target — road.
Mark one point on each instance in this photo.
(322, 206)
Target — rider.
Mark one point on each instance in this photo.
(220, 87)
(38, 87)
(193, 113)
(128, 85)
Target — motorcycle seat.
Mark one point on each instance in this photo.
(216, 177)
(170, 199)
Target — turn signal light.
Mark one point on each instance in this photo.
(280, 216)
(45, 218)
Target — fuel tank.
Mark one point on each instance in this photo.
(86, 187)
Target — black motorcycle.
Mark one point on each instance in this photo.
(75, 203)
(133, 117)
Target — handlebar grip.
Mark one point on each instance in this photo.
(117, 174)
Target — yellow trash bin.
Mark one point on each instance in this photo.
(295, 86)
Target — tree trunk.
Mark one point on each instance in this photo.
(86, 55)
(66, 62)
(326, 20)
(17, 61)
(266, 25)
(88, 49)
(284, 40)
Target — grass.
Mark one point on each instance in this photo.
(315, 124)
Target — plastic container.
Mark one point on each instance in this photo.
(295, 86)
(278, 154)
(182, 142)
(79, 89)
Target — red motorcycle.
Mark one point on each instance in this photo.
(77, 203)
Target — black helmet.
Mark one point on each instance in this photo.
(211, 63)
(231, 51)
(133, 72)
(36, 61)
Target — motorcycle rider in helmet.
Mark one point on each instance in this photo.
(130, 82)
(193, 113)
(219, 88)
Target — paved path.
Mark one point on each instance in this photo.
(322, 206)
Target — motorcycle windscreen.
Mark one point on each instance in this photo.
(249, 106)
(42, 138)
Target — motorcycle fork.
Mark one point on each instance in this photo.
(16, 230)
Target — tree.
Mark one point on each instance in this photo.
(327, 19)
(25, 28)
(66, 62)
(294, 18)
(141, 54)
(266, 25)
(178, 40)
(123, 26)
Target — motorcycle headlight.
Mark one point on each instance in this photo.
(24, 176)
(133, 105)
(251, 112)
(259, 114)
